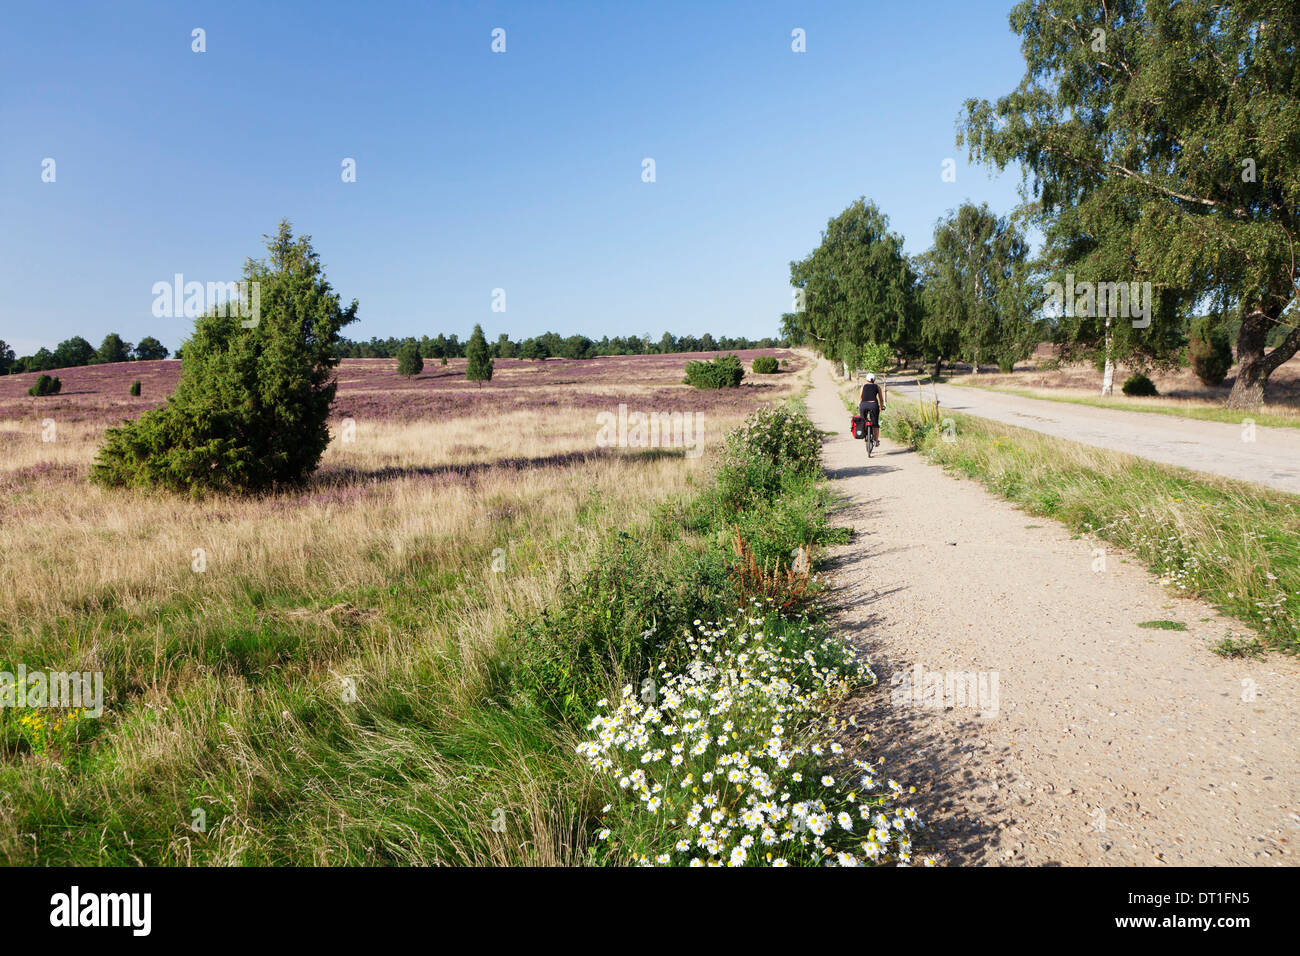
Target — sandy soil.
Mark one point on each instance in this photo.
(1271, 457)
(1105, 743)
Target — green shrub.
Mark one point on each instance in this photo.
(1138, 384)
(765, 365)
(409, 360)
(46, 385)
(249, 412)
(593, 636)
(781, 436)
(478, 365)
(135, 389)
(1050, 365)
(1209, 351)
(725, 371)
(875, 357)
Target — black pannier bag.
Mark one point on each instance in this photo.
(859, 426)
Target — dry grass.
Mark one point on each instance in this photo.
(223, 686)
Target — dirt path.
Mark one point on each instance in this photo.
(1271, 457)
(1110, 744)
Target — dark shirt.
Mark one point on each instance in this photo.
(870, 394)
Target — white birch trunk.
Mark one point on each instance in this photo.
(1108, 374)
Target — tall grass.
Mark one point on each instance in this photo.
(343, 683)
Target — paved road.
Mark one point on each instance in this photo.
(1086, 739)
(1271, 459)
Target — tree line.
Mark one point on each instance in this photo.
(551, 344)
(1160, 150)
(76, 351)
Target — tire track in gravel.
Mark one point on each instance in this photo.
(1110, 744)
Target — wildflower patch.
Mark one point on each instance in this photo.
(735, 761)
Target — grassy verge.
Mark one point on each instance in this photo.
(412, 706)
(722, 741)
(1233, 544)
(1182, 408)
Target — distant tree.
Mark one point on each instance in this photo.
(113, 349)
(976, 299)
(73, 352)
(6, 357)
(479, 368)
(41, 361)
(409, 361)
(577, 347)
(135, 389)
(857, 286)
(250, 410)
(150, 349)
(504, 348)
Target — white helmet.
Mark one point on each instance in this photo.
(871, 376)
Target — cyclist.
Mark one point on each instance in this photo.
(871, 402)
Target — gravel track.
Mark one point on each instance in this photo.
(1109, 744)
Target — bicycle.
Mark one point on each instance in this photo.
(864, 428)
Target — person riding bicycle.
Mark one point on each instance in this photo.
(871, 402)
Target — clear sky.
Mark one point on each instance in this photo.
(475, 170)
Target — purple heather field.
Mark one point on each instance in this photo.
(371, 389)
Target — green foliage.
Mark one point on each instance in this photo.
(978, 296)
(113, 349)
(45, 385)
(409, 360)
(73, 352)
(1138, 385)
(858, 287)
(1209, 350)
(150, 349)
(673, 572)
(781, 435)
(875, 357)
(135, 389)
(765, 365)
(249, 412)
(592, 638)
(725, 371)
(479, 366)
(1163, 625)
(1159, 143)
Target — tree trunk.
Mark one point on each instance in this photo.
(1253, 366)
(1108, 374)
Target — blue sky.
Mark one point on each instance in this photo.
(475, 170)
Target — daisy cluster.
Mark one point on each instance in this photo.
(734, 760)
